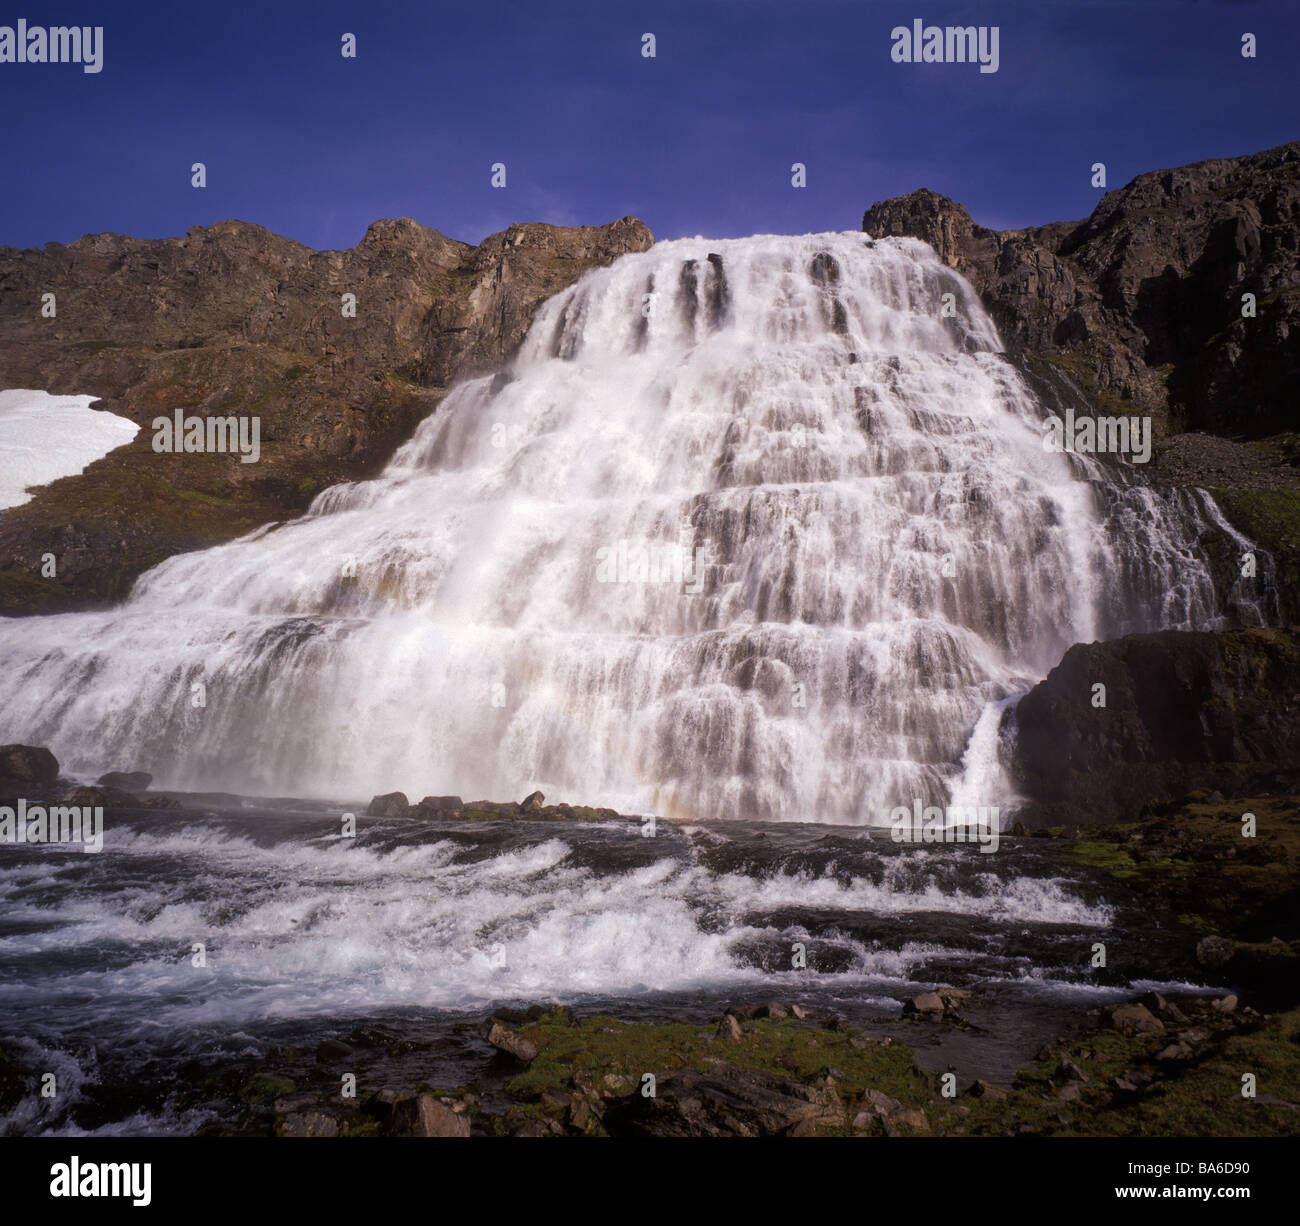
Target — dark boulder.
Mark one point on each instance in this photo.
(28, 765)
(390, 804)
(432, 806)
(127, 781)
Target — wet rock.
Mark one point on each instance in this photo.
(954, 998)
(725, 1102)
(431, 806)
(329, 1050)
(926, 1004)
(390, 804)
(532, 803)
(100, 797)
(504, 1039)
(127, 781)
(776, 1012)
(167, 803)
(28, 764)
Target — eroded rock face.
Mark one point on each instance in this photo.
(1150, 284)
(232, 320)
(1183, 711)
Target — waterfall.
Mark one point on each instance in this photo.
(747, 529)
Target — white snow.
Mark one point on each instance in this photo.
(44, 437)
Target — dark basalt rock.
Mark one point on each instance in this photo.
(390, 804)
(28, 764)
(1183, 710)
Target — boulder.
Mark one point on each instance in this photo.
(532, 803)
(1132, 1019)
(127, 781)
(329, 1050)
(390, 804)
(729, 1028)
(26, 771)
(425, 1116)
(504, 1039)
(926, 1004)
(434, 805)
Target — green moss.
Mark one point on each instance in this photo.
(263, 1088)
(1112, 858)
(617, 1054)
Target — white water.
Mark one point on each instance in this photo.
(44, 437)
(887, 549)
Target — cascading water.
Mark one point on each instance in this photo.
(749, 529)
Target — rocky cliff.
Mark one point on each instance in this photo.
(1141, 304)
(235, 320)
(1183, 711)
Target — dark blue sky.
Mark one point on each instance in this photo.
(698, 140)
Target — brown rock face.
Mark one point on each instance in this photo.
(232, 320)
(1140, 304)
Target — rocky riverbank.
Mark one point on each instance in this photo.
(1158, 1066)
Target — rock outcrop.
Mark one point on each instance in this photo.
(234, 320)
(1140, 305)
(1182, 711)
